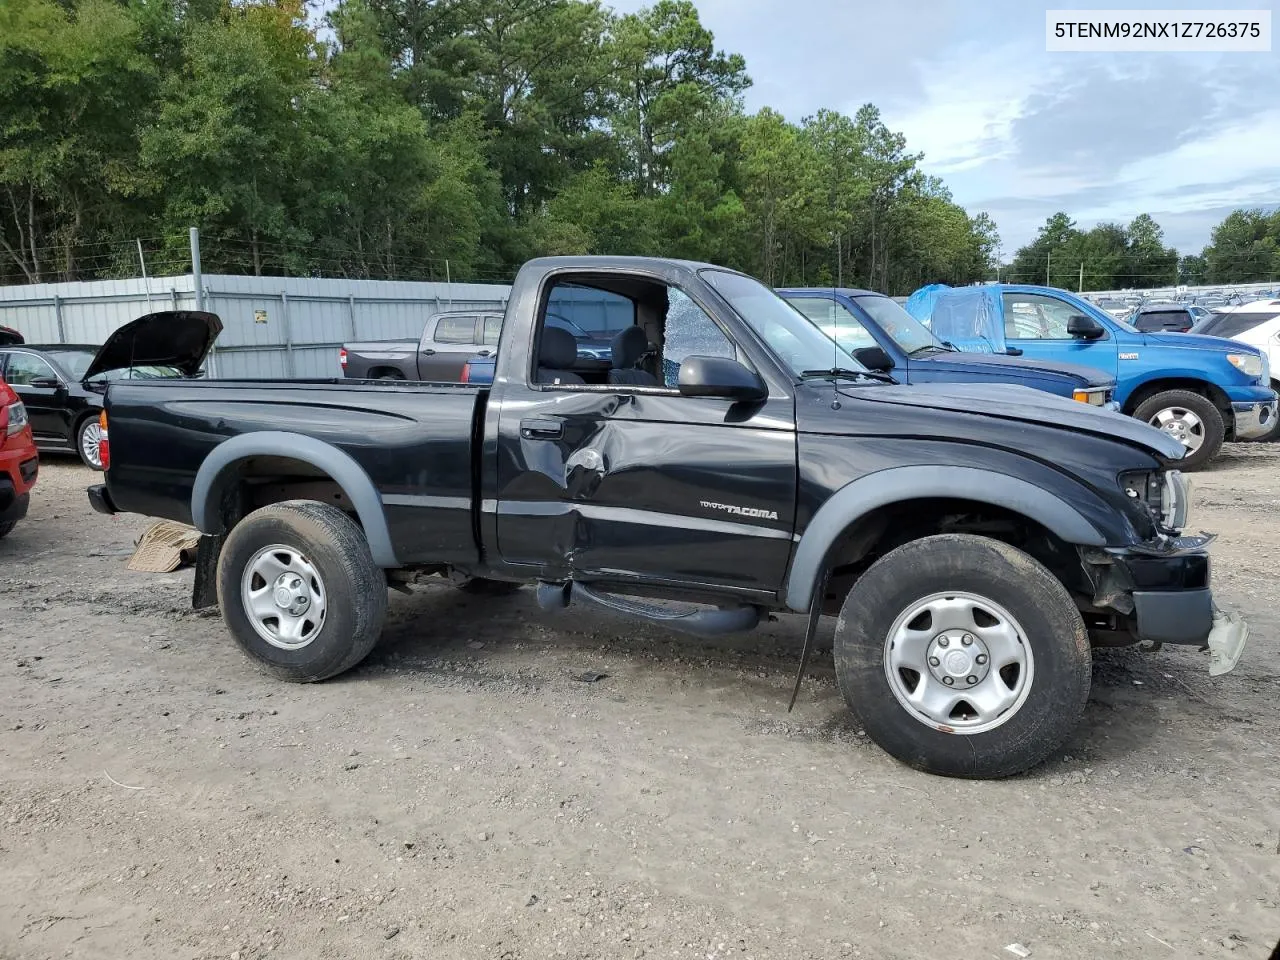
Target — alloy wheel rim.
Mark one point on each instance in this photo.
(958, 662)
(283, 597)
(91, 444)
(1181, 424)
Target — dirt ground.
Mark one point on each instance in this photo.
(462, 795)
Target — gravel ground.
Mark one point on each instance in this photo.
(462, 795)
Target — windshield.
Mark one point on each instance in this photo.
(794, 339)
(905, 330)
(1232, 324)
(76, 362)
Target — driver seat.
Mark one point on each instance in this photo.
(628, 348)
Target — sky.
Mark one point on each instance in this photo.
(1014, 130)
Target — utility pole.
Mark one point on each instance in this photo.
(142, 262)
(1048, 259)
(195, 267)
(1080, 288)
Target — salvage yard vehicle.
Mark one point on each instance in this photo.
(62, 390)
(1200, 390)
(972, 539)
(448, 340)
(865, 321)
(19, 461)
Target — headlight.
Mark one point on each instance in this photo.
(1167, 496)
(1095, 398)
(1250, 364)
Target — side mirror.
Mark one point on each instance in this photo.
(719, 377)
(45, 383)
(874, 358)
(1083, 327)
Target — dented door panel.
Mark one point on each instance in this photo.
(644, 486)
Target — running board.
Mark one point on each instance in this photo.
(702, 622)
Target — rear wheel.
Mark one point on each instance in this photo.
(390, 375)
(1189, 418)
(7, 528)
(299, 590)
(963, 656)
(89, 442)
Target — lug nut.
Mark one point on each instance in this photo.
(944, 642)
(971, 681)
(966, 639)
(934, 661)
(948, 681)
(981, 658)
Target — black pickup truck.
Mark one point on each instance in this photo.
(973, 541)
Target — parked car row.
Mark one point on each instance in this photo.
(728, 460)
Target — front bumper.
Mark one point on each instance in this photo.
(13, 505)
(1173, 602)
(1253, 419)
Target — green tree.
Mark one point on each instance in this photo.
(1244, 248)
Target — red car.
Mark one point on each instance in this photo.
(19, 462)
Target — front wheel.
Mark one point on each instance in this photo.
(89, 442)
(963, 656)
(299, 590)
(1189, 418)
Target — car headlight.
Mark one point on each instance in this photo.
(1095, 398)
(1250, 364)
(1167, 496)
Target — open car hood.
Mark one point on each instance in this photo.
(10, 337)
(170, 338)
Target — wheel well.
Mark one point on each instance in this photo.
(1208, 390)
(376, 372)
(885, 528)
(258, 481)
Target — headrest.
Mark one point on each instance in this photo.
(558, 349)
(628, 347)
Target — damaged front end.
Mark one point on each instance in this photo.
(1158, 591)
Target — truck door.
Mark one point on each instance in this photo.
(447, 342)
(633, 482)
(1036, 324)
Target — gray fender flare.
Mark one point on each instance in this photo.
(896, 484)
(348, 474)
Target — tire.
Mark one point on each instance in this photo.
(87, 430)
(316, 545)
(7, 528)
(1273, 434)
(1177, 404)
(1042, 699)
(390, 376)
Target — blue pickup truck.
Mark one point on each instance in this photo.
(1201, 390)
(862, 322)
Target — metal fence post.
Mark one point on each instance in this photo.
(195, 267)
(288, 335)
(57, 313)
(351, 315)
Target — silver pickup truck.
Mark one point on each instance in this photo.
(448, 341)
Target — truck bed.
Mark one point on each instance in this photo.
(413, 440)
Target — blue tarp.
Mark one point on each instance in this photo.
(970, 317)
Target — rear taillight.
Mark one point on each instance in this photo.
(466, 373)
(342, 358)
(104, 447)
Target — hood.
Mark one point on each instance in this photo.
(1198, 341)
(1085, 376)
(1011, 402)
(10, 337)
(171, 338)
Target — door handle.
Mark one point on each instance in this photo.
(535, 429)
(482, 353)
(428, 352)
